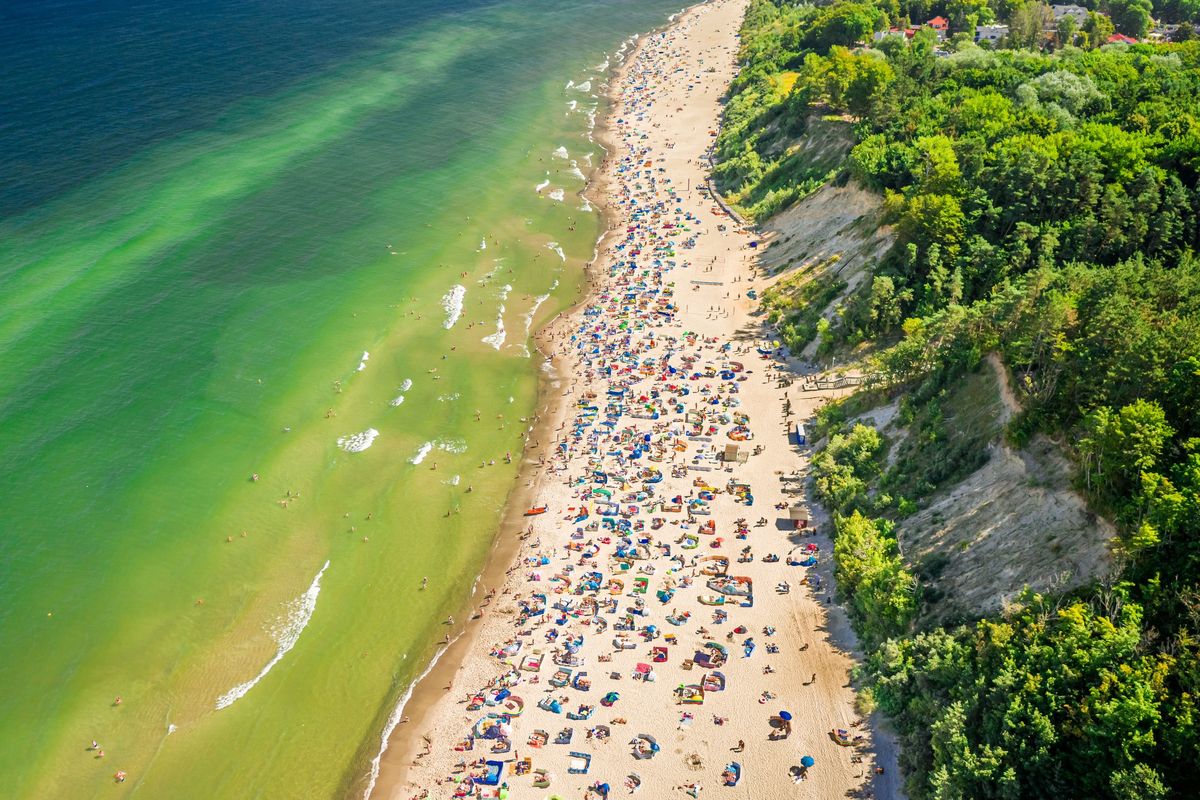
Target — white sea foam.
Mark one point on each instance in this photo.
(420, 456)
(482, 244)
(397, 714)
(557, 249)
(578, 173)
(504, 291)
(454, 479)
(558, 195)
(452, 302)
(455, 446)
(586, 207)
(561, 152)
(537, 302)
(572, 105)
(357, 442)
(586, 86)
(529, 315)
(404, 387)
(171, 728)
(362, 362)
(569, 84)
(542, 185)
(286, 632)
(587, 159)
(496, 339)
(448, 398)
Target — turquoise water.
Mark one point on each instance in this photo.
(212, 212)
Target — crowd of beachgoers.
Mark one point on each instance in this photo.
(667, 627)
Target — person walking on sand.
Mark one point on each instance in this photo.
(741, 747)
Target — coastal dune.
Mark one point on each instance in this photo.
(660, 478)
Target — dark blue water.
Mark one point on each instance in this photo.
(87, 84)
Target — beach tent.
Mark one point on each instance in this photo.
(644, 746)
(495, 771)
(798, 513)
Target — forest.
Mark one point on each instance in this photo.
(1044, 196)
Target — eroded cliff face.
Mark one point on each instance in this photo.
(1014, 522)
(1011, 522)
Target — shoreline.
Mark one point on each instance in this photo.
(399, 738)
(427, 710)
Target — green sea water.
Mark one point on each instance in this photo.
(198, 312)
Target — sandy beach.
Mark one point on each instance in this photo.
(655, 620)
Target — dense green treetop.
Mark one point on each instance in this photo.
(1045, 197)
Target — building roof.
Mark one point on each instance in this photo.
(938, 22)
(1117, 38)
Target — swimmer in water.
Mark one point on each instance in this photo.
(424, 583)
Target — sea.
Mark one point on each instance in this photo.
(269, 271)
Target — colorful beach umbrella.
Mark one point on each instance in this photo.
(785, 715)
(807, 761)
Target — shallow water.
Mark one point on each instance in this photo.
(231, 239)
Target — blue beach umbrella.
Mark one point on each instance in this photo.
(807, 761)
(785, 715)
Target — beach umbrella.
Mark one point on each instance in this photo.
(807, 761)
(785, 715)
